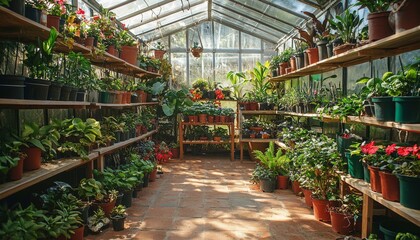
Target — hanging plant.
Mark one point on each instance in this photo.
(196, 50)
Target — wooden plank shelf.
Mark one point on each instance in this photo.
(46, 171)
(310, 115)
(205, 124)
(19, 28)
(373, 122)
(406, 41)
(259, 112)
(106, 150)
(257, 140)
(205, 142)
(38, 104)
(410, 214)
(128, 105)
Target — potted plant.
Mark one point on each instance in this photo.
(219, 133)
(322, 34)
(64, 222)
(174, 148)
(118, 216)
(300, 48)
(238, 81)
(378, 18)
(389, 182)
(372, 156)
(308, 36)
(11, 84)
(408, 173)
(196, 50)
(343, 216)
(284, 60)
(346, 26)
(129, 49)
(98, 221)
(159, 50)
(92, 191)
(265, 177)
(55, 10)
(406, 16)
(11, 159)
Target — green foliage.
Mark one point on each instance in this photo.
(220, 132)
(260, 172)
(346, 106)
(4, 3)
(409, 168)
(90, 189)
(406, 236)
(79, 72)
(286, 55)
(375, 6)
(273, 160)
(62, 221)
(118, 212)
(346, 25)
(238, 81)
(174, 101)
(259, 80)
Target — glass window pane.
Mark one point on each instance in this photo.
(225, 37)
(206, 34)
(249, 61)
(250, 42)
(85, 8)
(225, 62)
(354, 73)
(179, 68)
(179, 40)
(201, 67)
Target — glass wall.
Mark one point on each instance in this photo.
(225, 49)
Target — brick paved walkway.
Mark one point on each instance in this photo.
(211, 198)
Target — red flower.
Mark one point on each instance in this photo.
(369, 148)
(415, 149)
(403, 151)
(96, 17)
(390, 149)
(80, 11)
(418, 156)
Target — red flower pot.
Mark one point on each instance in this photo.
(282, 182)
(33, 159)
(53, 21)
(210, 118)
(16, 173)
(375, 181)
(308, 197)
(293, 64)
(77, 235)
(89, 41)
(217, 118)
(296, 187)
(129, 54)
(217, 139)
(379, 26)
(111, 50)
(390, 186)
(313, 55)
(153, 175)
(192, 119)
(202, 118)
(283, 67)
(321, 211)
(159, 54)
(342, 223)
(222, 119)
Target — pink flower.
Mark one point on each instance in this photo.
(390, 149)
(80, 11)
(369, 148)
(415, 149)
(403, 151)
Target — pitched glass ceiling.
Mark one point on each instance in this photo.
(273, 19)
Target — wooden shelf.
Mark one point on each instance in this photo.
(406, 41)
(37, 104)
(204, 124)
(259, 112)
(119, 145)
(19, 28)
(410, 214)
(311, 115)
(112, 105)
(373, 122)
(257, 140)
(205, 142)
(46, 171)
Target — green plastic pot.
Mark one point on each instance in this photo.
(409, 191)
(390, 228)
(384, 108)
(343, 144)
(406, 109)
(355, 166)
(366, 173)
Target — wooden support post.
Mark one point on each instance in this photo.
(89, 169)
(101, 162)
(232, 141)
(181, 141)
(367, 215)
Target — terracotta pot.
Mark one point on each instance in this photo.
(253, 106)
(379, 26)
(141, 96)
(118, 97)
(390, 186)
(375, 181)
(217, 139)
(407, 16)
(210, 118)
(222, 119)
(296, 187)
(252, 135)
(129, 54)
(159, 54)
(202, 118)
(77, 235)
(321, 211)
(282, 182)
(107, 207)
(196, 52)
(53, 21)
(89, 41)
(265, 136)
(342, 223)
(217, 118)
(293, 64)
(288, 70)
(111, 50)
(313, 55)
(343, 48)
(153, 175)
(256, 129)
(283, 67)
(33, 159)
(16, 173)
(175, 152)
(308, 197)
(192, 119)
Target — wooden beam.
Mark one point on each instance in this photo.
(367, 214)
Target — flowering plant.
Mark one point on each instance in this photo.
(56, 8)
(163, 153)
(196, 93)
(409, 160)
(219, 94)
(372, 154)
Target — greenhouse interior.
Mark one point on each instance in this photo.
(210, 119)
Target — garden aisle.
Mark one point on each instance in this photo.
(211, 198)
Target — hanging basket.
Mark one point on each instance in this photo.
(196, 52)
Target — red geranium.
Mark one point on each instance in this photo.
(369, 148)
(404, 151)
(80, 11)
(390, 149)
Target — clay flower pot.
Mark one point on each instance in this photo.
(313, 55)
(282, 182)
(283, 67)
(379, 26)
(321, 211)
(129, 54)
(33, 159)
(53, 21)
(390, 186)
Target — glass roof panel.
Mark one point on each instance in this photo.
(173, 27)
(247, 23)
(133, 7)
(294, 5)
(109, 3)
(179, 16)
(160, 12)
(234, 23)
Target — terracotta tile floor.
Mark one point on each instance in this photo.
(211, 198)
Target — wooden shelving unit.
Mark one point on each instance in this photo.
(182, 142)
(19, 28)
(406, 41)
(37, 104)
(119, 106)
(411, 215)
(116, 146)
(46, 171)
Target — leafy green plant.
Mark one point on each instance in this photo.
(90, 189)
(275, 161)
(375, 6)
(346, 25)
(98, 221)
(63, 220)
(220, 132)
(404, 83)
(375, 87)
(346, 106)
(118, 212)
(44, 138)
(259, 79)
(286, 55)
(260, 172)
(406, 236)
(238, 81)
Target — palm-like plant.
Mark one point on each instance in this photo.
(259, 76)
(238, 80)
(273, 160)
(374, 5)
